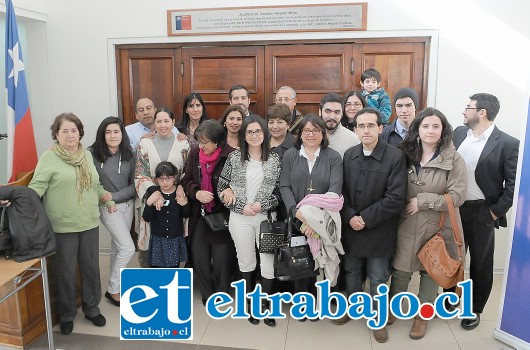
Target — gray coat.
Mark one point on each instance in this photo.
(375, 187)
(446, 173)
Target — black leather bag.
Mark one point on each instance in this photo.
(293, 263)
(217, 221)
(271, 235)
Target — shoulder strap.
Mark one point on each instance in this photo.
(454, 222)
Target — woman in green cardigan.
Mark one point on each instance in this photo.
(68, 183)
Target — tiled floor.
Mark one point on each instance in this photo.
(288, 334)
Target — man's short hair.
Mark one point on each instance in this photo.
(285, 87)
(487, 102)
(368, 110)
(237, 87)
(332, 97)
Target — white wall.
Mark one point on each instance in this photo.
(483, 47)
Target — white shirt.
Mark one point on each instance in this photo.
(254, 178)
(310, 163)
(470, 149)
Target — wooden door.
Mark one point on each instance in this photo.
(401, 64)
(311, 70)
(148, 72)
(212, 71)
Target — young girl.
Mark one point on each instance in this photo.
(165, 210)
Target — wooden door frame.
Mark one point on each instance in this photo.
(429, 36)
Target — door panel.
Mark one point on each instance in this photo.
(167, 73)
(147, 73)
(212, 71)
(311, 70)
(400, 65)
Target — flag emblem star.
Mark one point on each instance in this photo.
(18, 65)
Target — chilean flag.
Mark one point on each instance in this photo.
(21, 149)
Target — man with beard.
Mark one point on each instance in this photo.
(238, 95)
(491, 159)
(340, 138)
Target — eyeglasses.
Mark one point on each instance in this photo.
(366, 126)
(166, 179)
(283, 99)
(350, 105)
(306, 132)
(256, 132)
(203, 144)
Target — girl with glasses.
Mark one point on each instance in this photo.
(165, 210)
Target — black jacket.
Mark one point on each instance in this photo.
(496, 170)
(390, 136)
(375, 187)
(31, 230)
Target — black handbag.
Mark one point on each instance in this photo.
(293, 263)
(216, 221)
(271, 234)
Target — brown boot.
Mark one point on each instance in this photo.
(391, 318)
(419, 327)
(380, 335)
(343, 320)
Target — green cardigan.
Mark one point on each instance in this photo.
(55, 181)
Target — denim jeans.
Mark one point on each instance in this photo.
(376, 268)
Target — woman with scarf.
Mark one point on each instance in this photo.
(213, 252)
(68, 183)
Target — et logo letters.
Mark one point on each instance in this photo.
(156, 304)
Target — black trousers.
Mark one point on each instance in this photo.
(479, 237)
(212, 262)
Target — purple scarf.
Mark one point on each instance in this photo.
(208, 163)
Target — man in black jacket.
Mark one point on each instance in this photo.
(375, 192)
(491, 159)
(405, 103)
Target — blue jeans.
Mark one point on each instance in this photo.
(377, 272)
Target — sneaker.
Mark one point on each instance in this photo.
(98, 320)
(67, 327)
(380, 335)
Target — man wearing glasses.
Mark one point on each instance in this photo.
(375, 192)
(287, 96)
(406, 104)
(340, 138)
(491, 159)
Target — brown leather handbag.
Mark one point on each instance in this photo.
(442, 268)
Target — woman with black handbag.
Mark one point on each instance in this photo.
(311, 167)
(213, 251)
(249, 187)
(434, 168)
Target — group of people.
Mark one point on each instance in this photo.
(379, 189)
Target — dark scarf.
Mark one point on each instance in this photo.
(208, 163)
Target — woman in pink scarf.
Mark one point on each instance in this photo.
(205, 163)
